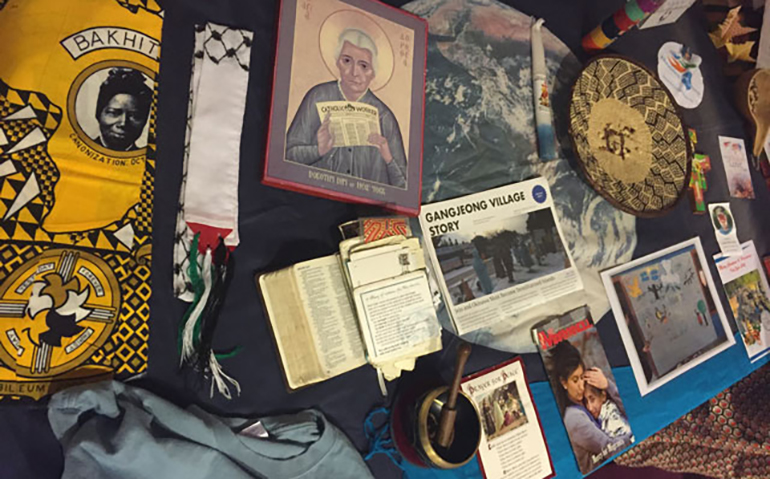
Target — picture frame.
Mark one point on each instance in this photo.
(348, 103)
(668, 313)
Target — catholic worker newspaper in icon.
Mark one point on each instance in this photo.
(351, 123)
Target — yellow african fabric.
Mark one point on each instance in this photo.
(77, 161)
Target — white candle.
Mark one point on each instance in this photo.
(546, 141)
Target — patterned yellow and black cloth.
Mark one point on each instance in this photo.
(77, 162)
(629, 137)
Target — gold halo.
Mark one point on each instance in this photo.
(329, 35)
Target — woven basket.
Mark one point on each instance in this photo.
(628, 136)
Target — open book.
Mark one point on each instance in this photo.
(370, 303)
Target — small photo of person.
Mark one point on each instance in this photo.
(502, 411)
(723, 220)
(588, 399)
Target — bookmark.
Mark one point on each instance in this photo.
(736, 164)
(701, 164)
(378, 228)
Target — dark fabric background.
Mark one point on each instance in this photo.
(279, 228)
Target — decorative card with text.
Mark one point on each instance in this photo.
(736, 165)
(512, 444)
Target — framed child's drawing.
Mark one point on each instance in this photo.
(668, 313)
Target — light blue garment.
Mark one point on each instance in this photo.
(482, 273)
(111, 430)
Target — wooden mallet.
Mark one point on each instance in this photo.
(446, 423)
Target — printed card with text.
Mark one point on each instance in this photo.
(512, 444)
(747, 291)
(667, 13)
(736, 165)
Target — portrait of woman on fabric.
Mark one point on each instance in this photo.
(311, 141)
(591, 407)
(122, 109)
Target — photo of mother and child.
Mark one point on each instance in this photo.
(589, 402)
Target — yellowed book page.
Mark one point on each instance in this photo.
(347, 245)
(296, 346)
(372, 265)
(330, 315)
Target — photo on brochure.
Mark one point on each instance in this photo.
(512, 444)
(668, 313)
(497, 253)
(347, 103)
(585, 388)
(501, 411)
(500, 254)
(747, 290)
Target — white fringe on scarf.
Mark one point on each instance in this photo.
(218, 376)
(188, 349)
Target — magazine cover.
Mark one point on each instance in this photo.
(746, 289)
(585, 389)
(668, 313)
(513, 443)
(498, 252)
(348, 99)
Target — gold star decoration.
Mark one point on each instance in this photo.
(731, 27)
(740, 51)
(716, 39)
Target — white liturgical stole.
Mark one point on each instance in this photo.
(207, 221)
(208, 202)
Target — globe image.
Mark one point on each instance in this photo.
(480, 134)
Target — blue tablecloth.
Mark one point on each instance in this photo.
(279, 228)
